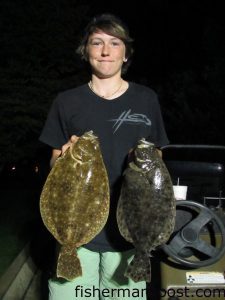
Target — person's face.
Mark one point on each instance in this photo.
(106, 54)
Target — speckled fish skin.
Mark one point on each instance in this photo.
(146, 208)
(74, 202)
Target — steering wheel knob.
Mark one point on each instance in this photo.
(189, 235)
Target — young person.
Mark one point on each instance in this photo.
(119, 113)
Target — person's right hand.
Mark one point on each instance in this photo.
(56, 152)
(71, 141)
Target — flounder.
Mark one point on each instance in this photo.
(74, 202)
(146, 208)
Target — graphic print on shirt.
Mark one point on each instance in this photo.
(127, 117)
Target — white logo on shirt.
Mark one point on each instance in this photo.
(130, 118)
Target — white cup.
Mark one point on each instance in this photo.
(180, 192)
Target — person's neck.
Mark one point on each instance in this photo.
(107, 88)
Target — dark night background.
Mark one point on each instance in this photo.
(179, 52)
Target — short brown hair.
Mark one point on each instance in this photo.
(111, 25)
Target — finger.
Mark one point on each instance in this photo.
(65, 147)
(74, 139)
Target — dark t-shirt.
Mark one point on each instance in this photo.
(119, 124)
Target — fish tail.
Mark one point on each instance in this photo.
(139, 268)
(68, 265)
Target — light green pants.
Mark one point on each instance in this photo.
(102, 279)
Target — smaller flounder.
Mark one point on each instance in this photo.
(74, 201)
(146, 208)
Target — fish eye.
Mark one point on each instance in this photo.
(84, 151)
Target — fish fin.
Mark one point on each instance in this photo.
(139, 268)
(68, 265)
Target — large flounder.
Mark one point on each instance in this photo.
(74, 201)
(146, 208)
